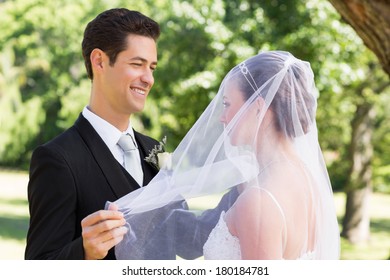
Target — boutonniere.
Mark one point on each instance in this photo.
(158, 157)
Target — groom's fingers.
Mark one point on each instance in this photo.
(98, 223)
(97, 246)
(101, 231)
(100, 216)
(112, 207)
(106, 226)
(113, 237)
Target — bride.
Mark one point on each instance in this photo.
(254, 149)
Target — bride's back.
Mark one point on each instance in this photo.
(275, 220)
(295, 194)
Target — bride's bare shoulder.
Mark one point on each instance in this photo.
(252, 199)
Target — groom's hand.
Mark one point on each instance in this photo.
(101, 231)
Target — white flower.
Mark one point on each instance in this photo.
(165, 160)
(158, 157)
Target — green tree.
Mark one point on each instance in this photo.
(43, 55)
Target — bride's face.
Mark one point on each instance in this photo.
(241, 131)
(232, 101)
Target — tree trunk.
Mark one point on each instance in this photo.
(356, 223)
(371, 21)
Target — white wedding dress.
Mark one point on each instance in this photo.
(222, 245)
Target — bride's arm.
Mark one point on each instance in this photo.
(258, 223)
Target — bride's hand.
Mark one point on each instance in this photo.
(101, 231)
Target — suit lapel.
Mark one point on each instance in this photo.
(145, 145)
(109, 166)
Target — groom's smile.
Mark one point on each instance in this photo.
(139, 91)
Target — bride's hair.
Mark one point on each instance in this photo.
(298, 82)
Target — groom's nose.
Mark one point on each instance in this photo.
(148, 78)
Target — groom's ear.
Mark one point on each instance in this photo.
(97, 57)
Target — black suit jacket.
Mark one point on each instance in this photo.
(71, 177)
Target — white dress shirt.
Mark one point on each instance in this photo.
(109, 134)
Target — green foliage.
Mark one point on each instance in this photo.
(41, 62)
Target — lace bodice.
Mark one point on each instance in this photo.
(221, 245)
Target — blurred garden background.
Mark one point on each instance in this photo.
(44, 86)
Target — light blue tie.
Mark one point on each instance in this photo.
(131, 162)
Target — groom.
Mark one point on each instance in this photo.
(75, 174)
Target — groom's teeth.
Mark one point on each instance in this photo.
(138, 91)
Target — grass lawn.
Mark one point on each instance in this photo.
(13, 214)
(14, 221)
(378, 248)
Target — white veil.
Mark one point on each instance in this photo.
(254, 154)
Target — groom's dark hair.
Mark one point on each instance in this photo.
(109, 31)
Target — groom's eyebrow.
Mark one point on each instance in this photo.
(143, 60)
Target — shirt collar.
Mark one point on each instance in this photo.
(109, 133)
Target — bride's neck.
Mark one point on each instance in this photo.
(272, 151)
(272, 146)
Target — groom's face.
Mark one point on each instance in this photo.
(127, 82)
